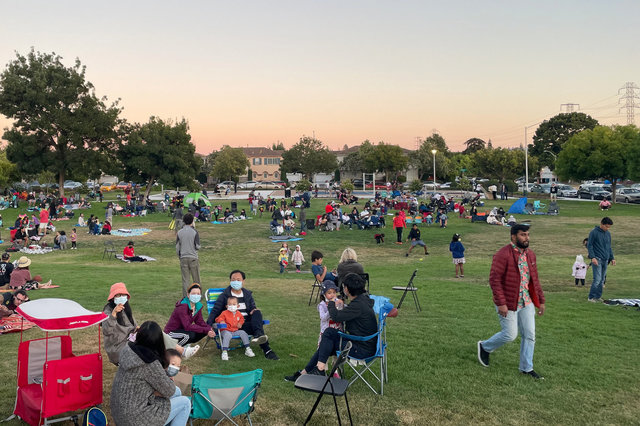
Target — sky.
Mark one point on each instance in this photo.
(257, 72)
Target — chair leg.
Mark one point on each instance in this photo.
(402, 299)
(314, 408)
(348, 410)
(415, 299)
(335, 403)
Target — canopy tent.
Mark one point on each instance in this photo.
(198, 197)
(518, 207)
(59, 314)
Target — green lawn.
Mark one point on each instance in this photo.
(588, 352)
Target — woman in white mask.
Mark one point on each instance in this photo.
(186, 324)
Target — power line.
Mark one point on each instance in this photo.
(629, 100)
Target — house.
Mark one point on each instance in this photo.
(264, 163)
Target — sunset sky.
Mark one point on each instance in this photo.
(251, 73)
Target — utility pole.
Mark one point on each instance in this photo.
(629, 98)
(417, 142)
(569, 108)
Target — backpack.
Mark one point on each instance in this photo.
(93, 417)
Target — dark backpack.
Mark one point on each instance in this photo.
(93, 417)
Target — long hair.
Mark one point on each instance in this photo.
(348, 254)
(150, 336)
(120, 315)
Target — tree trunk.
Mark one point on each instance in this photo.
(149, 185)
(61, 183)
(613, 190)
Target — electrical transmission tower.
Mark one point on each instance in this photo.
(569, 108)
(629, 98)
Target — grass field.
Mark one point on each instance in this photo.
(589, 353)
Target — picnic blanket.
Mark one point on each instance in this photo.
(43, 288)
(134, 232)
(15, 323)
(217, 222)
(624, 302)
(121, 257)
(282, 238)
(36, 249)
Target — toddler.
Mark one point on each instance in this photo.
(63, 240)
(283, 259)
(297, 258)
(234, 321)
(579, 269)
(74, 239)
(429, 219)
(457, 251)
(379, 238)
(175, 361)
(329, 292)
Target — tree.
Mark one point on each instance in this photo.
(230, 163)
(423, 157)
(7, 169)
(277, 146)
(551, 135)
(308, 156)
(473, 145)
(499, 163)
(162, 151)
(59, 123)
(601, 152)
(415, 186)
(303, 185)
(389, 159)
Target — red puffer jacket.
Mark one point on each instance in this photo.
(505, 278)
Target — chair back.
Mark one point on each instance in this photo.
(211, 295)
(218, 396)
(342, 358)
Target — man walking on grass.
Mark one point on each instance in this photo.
(187, 246)
(517, 294)
(600, 253)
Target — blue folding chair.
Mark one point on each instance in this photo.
(363, 367)
(219, 397)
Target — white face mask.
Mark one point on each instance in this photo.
(232, 308)
(120, 300)
(195, 298)
(172, 370)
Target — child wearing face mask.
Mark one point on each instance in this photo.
(175, 362)
(233, 321)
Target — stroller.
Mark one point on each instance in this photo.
(52, 380)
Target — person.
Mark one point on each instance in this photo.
(494, 191)
(503, 191)
(579, 270)
(605, 204)
(11, 301)
(303, 218)
(120, 326)
(129, 254)
(360, 320)
(187, 246)
(233, 320)
(600, 253)
(398, 224)
(74, 239)
(21, 276)
(553, 192)
(379, 238)
(44, 221)
(457, 252)
(178, 216)
(516, 293)
(186, 323)
(416, 240)
(288, 224)
(108, 214)
(283, 259)
(329, 293)
(6, 268)
(297, 258)
(106, 228)
(348, 264)
(318, 270)
(142, 392)
(443, 218)
(247, 307)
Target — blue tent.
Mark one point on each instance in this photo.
(518, 206)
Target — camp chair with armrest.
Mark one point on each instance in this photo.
(409, 288)
(219, 397)
(537, 205)
(327, 385)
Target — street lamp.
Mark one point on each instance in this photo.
(433, 151)
(526, 158)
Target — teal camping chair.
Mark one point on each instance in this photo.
(537, 205)
(219, 397)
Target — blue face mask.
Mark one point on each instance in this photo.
(195, 298)
(236, 285)
(120, 300)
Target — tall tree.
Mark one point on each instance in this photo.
(279, 146)
(389, 159)
(500, 163)
(473, 145)
(7, 170)
(230, 164)
(552, 134)
(423, 157)
(161, 151)
(59, 124)
(601, 152)
(308, 156)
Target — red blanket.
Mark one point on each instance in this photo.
(15, 323)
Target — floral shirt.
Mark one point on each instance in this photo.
(524, 298)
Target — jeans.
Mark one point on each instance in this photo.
(180, 409)
(522, 320)
(599, 275)
(329, 344)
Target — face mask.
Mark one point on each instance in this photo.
(172, 370)
(195, 298)
(120, 300)
(232, 308)
(236, 285)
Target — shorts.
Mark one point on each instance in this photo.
(458, 260)
(43, 225)
(418, 243)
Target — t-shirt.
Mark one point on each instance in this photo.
(317, 270)
(242, 306)
(5, 272)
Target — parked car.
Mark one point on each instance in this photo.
(267, 184)
(628, 195)
(250, 184)
(226, 184)
(280, 183)
(122, 185)
(446, 185)
(542, 188)
(71, 184)
(593, 192)
(33, 185)
(357, 183)
(107, 186)
(566, 191)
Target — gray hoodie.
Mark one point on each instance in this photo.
(187, 243)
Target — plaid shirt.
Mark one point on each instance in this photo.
(523, 296)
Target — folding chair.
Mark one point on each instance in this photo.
(537, 205)
(328, 385)
(219, 397)
(316, 288)
(363, 367)
(109, 250)
(409, 288)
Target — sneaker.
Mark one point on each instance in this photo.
(293, 377)
(270, 354)
(483, 356)
(594, 300)
(533, 374)
(317, 372)
(260, 339)
(248, 352)
(225, 356)
(406, 254)
(190, 351)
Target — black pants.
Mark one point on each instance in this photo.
(136, 259)
(185, 337)
(580, 279)
(329, 344)
(253, 326)
(399, 232)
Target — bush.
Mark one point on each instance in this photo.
(415, 185)
(401, 178)
(347, 185)
(303, 186)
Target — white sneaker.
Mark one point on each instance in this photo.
(260, 339)
(190, 351)
(248, 352)
(225, 356)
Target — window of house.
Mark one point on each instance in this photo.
(257, 161)
(275, 175)
(255, 175)
(266, 175)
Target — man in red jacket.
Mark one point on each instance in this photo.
(517, 294)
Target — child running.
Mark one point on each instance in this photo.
(457, 251)
(297, 258)
(234, 321)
